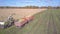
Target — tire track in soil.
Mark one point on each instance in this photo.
(53, 24)
(48, 24)
(57, 15)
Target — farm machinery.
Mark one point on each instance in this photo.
(5, 23)
(23, 21)
(9, 21)
(18, 23)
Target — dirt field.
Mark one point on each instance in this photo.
(19, 13)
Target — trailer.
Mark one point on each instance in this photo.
(23, 21)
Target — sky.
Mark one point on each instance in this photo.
(29, 3)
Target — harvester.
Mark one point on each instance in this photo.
(7, 22)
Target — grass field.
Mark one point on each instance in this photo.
(47, 22)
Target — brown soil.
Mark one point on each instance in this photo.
(19, 13)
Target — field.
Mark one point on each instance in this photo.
(18, 12)
(47, 22)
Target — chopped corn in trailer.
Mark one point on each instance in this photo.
(23, 21)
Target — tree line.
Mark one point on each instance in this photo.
(31, 7)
